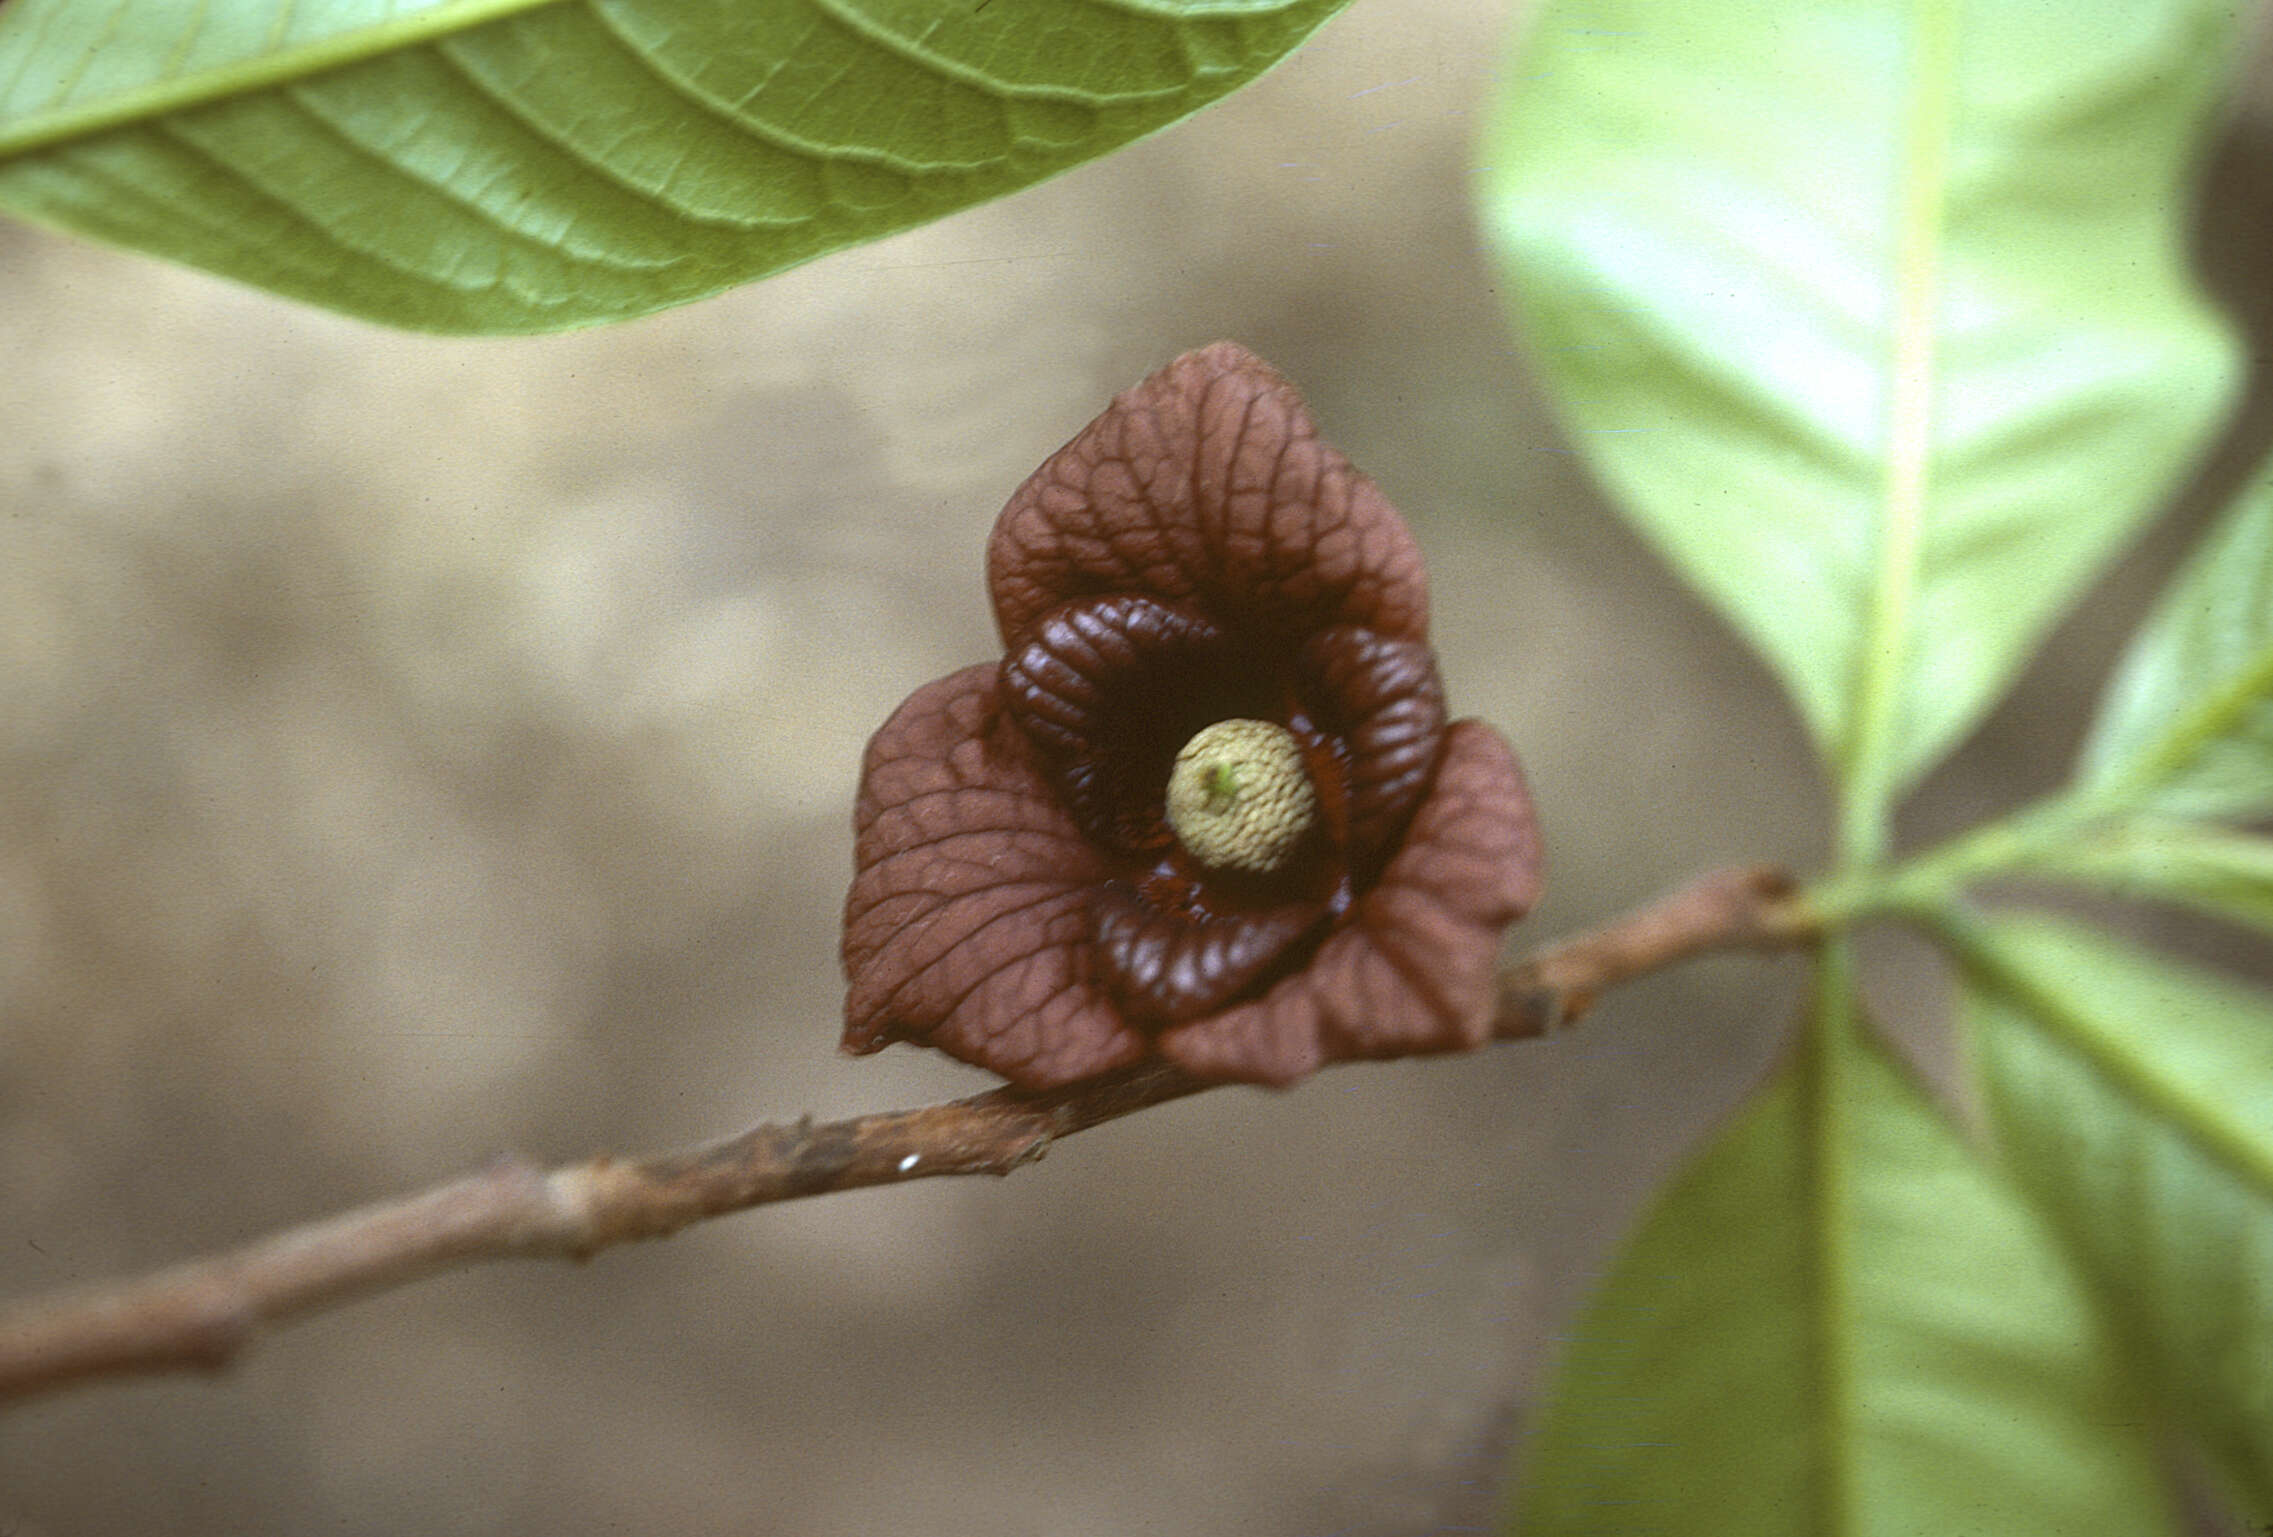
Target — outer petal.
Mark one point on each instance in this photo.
(967, 926)
(1415, 969)
(1208, 484)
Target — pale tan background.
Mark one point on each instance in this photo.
(413, 748)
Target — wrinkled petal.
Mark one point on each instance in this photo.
(1415, 969)
(1194, 555)
(1101, 690)
(1383, 699)
(968, 926)
(1208, 484)
(1175, 966)
(1084, 653)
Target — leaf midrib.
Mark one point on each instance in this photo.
(1824, 1091)
(1883, 663)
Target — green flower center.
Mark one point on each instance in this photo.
(1238, 798)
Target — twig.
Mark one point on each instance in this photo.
(204, 1313)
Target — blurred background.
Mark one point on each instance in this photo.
(414, 748)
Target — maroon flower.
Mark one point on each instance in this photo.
(1208, 805)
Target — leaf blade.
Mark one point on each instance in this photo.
(1716, 266)
(1794, 1342)
(2186, 727)
(527, 165)
(2134, 1100)
(43, 103)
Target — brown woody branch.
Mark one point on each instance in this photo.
(203, 1313)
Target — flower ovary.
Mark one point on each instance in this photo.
(1239, 798)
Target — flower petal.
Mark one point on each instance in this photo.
(1175, 966)
(1416, 969)
(1208, 483)
(1101, 691)
(968, 926)
(1382, 698)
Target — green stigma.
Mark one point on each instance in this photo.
(1239, 797)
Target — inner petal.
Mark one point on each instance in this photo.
(1107, 690)
(1171, 967)
(1383, 699)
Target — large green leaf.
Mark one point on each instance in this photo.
(1838, 1323)
(528, 165)
(2134, 1099)
(1874, 317)
(2187, 729)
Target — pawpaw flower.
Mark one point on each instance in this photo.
(1208, 806)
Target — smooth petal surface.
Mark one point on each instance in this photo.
(968, 923)
(1415, 969)
(1208, 484)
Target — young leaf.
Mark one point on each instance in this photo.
(1875, 318)
(2187, 727)
(530, 165)
(2134, 1100)
(2225, 874)
(1838, 1323)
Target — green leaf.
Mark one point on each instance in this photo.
(2225, 874)
(1875, 318)
(529, 165)
(1838, 1323)
(2187, 727)
(2134, 1101)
